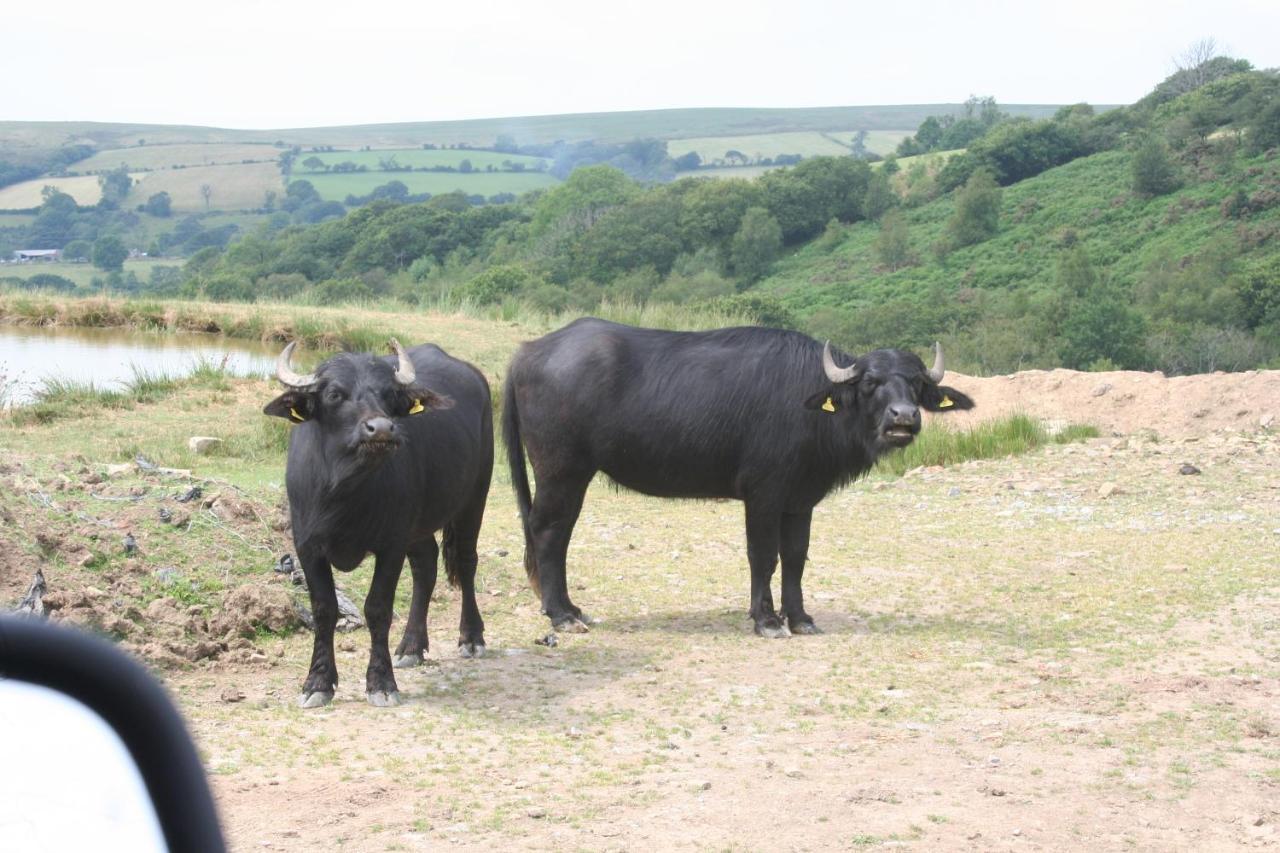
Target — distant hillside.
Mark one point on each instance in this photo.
(525, 130)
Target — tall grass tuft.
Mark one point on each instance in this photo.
(940, 445)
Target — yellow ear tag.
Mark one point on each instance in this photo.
(293, 413)
(946, 403)
(417, 407)
(828, 406)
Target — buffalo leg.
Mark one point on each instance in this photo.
(322, 678)
(461, 559)
(763, 533)
(423, 562)
(795, 550)
(555, 510)
(380, 681)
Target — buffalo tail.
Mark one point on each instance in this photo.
(519, 476)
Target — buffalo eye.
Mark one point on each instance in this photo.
(334, 396)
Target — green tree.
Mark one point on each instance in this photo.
(755, 246)
(159, 204)
(581, 200)
(977, 215)
(109, 253)
(77, 250)
(1152, 169)
(314, 163)
(1098, 322)
(880, 196)
(115, 186)
(893, 245)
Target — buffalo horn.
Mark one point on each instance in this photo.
(405, 374)
(937, 371)
(286, 374)
(836, 374)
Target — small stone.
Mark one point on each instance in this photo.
(536, 812)
(1106, 490)
(232, 695)
(1266, 420)
(793, 773)
(701, 786)
(1101, 389)
(117, 470)
(202, 444)
(1188, 468)
(550, 640)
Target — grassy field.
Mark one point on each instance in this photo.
(83, 274)
(153, 157)
(417, 158)
(237, 187)
(338, 187)
(807, 144)
(1013, 656)
(84, 189)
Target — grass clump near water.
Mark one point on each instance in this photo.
(1010, 436)
(63, 398)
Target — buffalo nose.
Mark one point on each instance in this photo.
(378, 428)
(903, 412)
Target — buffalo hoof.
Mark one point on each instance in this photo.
(384, 699)
(772, 629)
(318, 699)
(407, 661)
(572, 625)
(471, 650)
(804, 628)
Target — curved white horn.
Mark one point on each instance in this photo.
(834, 373)
(405, 373)
(287, 375)
(937, 371)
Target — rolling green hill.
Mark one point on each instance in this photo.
(604, 127)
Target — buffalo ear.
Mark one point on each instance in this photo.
(940, 398)
(424, 399)
(293, 405)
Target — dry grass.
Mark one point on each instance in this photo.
(237, 187)
(153, 157)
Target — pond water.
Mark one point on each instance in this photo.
(109, 358)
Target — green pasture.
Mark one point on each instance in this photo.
(82, 274)
(416, 158)
(337, 187)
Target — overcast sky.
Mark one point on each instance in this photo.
(283, 64)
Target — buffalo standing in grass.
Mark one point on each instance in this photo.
(766, 416)
(385, 452)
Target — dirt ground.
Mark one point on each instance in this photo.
(1077, 649)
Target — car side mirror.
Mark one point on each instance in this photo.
(95, 754)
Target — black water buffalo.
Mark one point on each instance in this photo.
(384, 452)
(762, 415)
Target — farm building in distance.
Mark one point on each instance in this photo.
(25, 255)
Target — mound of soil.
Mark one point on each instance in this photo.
(1127, 401)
